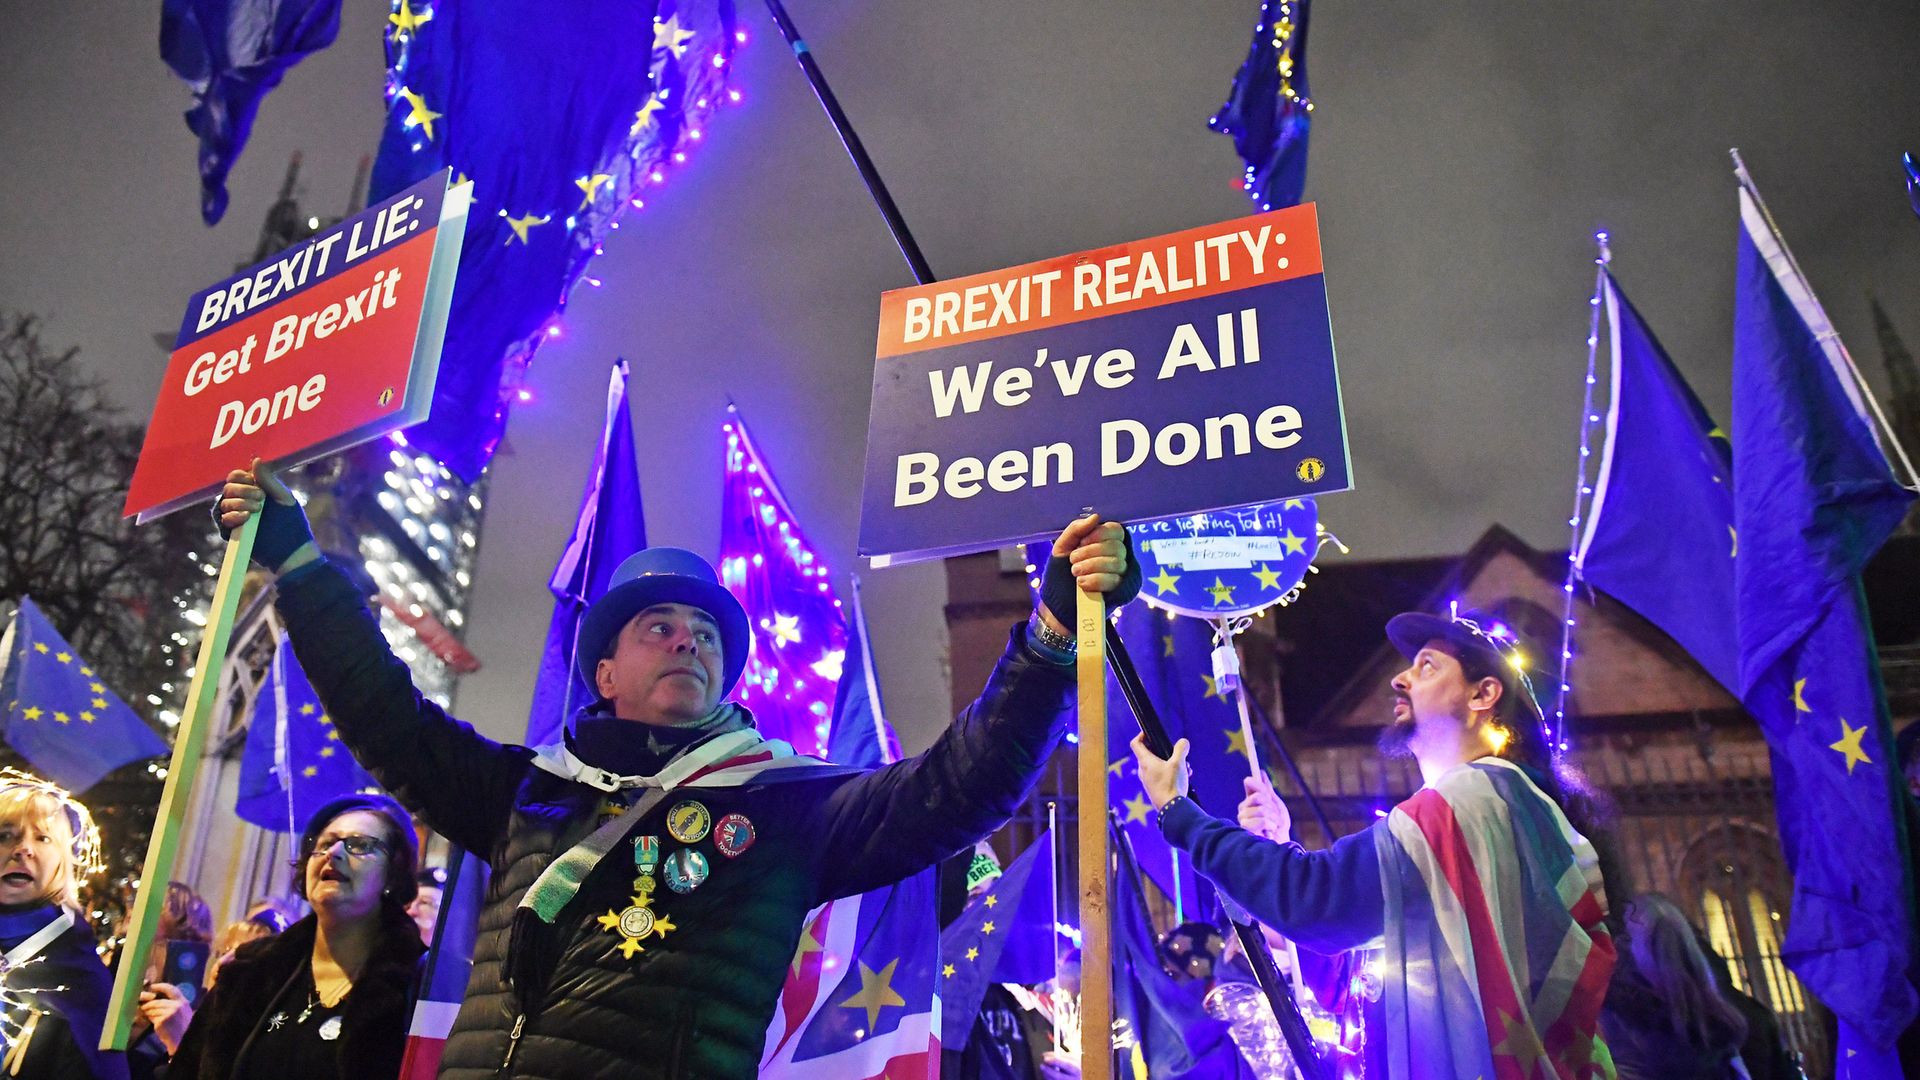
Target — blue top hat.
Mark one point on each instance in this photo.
(664, 575)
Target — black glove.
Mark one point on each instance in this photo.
(283, 530)
(1057, 589)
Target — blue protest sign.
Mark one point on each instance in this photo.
(1171, 376)
(1227, 562)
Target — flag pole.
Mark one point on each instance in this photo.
(1859, 389)
(170, 819)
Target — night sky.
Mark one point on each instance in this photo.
(1462, 156)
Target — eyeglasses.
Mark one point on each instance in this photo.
(357, 846)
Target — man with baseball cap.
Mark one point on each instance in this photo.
(1488, 900)
(651, 871)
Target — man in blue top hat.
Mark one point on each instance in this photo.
(651, 872)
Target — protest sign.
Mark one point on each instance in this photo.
(327, 344)
(1227, 562)
(1182, 373)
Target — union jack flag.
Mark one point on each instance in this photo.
(1497, 960)
(862, 998)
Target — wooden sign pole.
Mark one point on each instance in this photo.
(1096, 929)
(169, 823)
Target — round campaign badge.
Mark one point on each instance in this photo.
(733, 835)
(687, 822)
(636, 922)
(685, 869)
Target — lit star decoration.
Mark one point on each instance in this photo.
(799, 629)
(434, 95)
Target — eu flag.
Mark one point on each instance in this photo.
(609, 527)
(562, 115)
(1005, 935)
(1174, 657)
(1814, 499)
(60, 716)
(1660, 532)
(860, 734)
(1160, 1025)
(1269, 110)
(293, 762)
(231, 52)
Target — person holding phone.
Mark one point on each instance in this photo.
(327, 998)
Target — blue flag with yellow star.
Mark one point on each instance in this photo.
(1006, 934)
(1174, 656)
(563, 116)
(1814, 499)
(231, 52)
(292, 746)
(1268, 111)
(1659, 535)
(60, 716)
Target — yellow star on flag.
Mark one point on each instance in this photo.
(1800, 696)
(1222, 593)
(62, 718)
(88, 672)
(876, 992)
(1293, 545)
(946, 972)
(1848, 746)
(98, 688)
(40, 647)
(310, 772)
(418, 115)
(1292, 504)
(1518, 1041)
(1267, 576)
(973, 954)
(1118, 768)
(87, 716)
(99, 703)
(991, 900)
(406, 20)
(33, 713)
(520, 225)
(333, 736)
(1213, 688)
(326, 751)
(808, 945)
(65, 657)
(1137, 808)
(590, 186)
(1237, 742)
(987, 927)
(1166, 641)
(307, 709)
(668, 35)
(645, 115)
(1164, 581)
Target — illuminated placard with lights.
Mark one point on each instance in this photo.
(327, 344)
(1174, 375)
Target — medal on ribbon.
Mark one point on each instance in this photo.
(638, 921)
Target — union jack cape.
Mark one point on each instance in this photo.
(1496, 957)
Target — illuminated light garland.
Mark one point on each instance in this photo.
(695, 59)
(800, 633)
(1582, 494)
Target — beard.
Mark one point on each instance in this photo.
(1396, 739)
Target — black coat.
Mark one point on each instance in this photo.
(696, 1002)
(73, 1008)
(373, 1017)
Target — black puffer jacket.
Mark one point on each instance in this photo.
(373, 1016)
(697, 1001)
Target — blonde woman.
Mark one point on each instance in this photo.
(48, 844)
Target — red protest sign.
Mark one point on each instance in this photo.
(328, 344)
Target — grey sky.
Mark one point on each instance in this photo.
(1462, 155)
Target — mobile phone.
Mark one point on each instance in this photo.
(186, 968)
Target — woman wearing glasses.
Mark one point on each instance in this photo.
(327, 998)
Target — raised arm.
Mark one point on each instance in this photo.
(884, 826)
(460, 782)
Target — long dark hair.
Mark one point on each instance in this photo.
(1668, 955)
(1589, 810)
